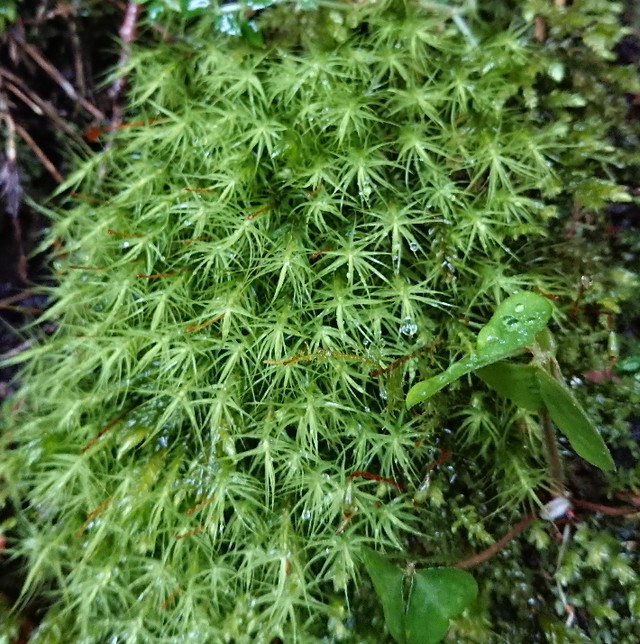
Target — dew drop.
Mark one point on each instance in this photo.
(192, 5)
(409, 327)
(228, 25)
(519, 308)
(414, 246)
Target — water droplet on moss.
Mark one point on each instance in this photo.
(408, 327)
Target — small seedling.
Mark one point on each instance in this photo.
(418, 605)
(519, 323)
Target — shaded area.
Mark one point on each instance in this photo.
(51, 62)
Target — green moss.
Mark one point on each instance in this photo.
(291, 222)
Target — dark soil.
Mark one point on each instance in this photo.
(80, 45)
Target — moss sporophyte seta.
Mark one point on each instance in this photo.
(215, 436)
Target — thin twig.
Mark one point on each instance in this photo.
(539, 29)
(604, 509)
(10, 186)
(16, 297)
(497, 546)
(23, 310)
(24, 98)
(42, 157)
(77, 58)
(19, 89)
(10, 138)
(62, 82)
(127, 34)
(16, 350)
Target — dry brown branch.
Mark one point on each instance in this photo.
(78, 64)
(16, 350)
(15, 298)
(37, 150)
(24, 98)
(10, 186)
(18, 88)
(127, 34)
(62, 82)
(539, 29)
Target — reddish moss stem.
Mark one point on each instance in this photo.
(497, 546)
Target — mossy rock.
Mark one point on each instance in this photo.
(252, 281)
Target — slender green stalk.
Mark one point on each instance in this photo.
(554, 460)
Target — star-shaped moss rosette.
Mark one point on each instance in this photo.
(536, 386)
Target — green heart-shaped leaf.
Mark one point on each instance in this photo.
(387, 580)
(571, 419)
(518, 382)
(437, 595)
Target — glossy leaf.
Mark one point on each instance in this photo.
(387, 580)
(517, 382)
(251, 33)
(421, 391)
(191, 7)
(514, 325)
(571, 419)
(437, 595)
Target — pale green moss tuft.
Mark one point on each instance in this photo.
(291, 221)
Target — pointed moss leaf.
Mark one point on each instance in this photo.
(132, 440)
(437, 595)
(517, 382)
(387, 580)
(573, 422)
(514, 325)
